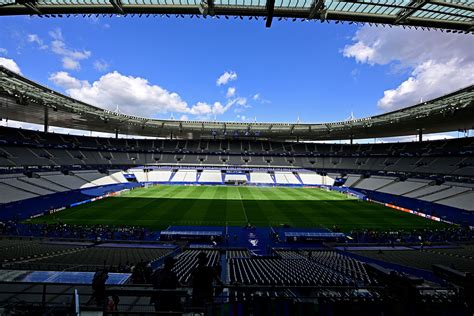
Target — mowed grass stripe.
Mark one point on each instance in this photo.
(159, 206)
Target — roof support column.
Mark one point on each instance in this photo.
(270, 6)
(116, 133)
(411, 9)
(206, 7)
(316, 9)
(117, 4)
(46, 118)
(420, 135)
(30, 4)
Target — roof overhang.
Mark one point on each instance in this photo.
(451, 15)
(24, 100)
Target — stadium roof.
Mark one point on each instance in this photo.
(453, 15)
(24, 100)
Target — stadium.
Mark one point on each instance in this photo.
(276, 218)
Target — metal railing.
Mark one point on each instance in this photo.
(70, 298)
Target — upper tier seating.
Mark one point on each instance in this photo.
(30, 148)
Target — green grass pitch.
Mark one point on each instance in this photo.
(160, 206)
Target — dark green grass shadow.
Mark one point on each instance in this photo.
(159, 213)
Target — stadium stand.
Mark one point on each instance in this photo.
(421, 259)
(351, 179)
(462, 201)
(44, 173)
(403, 187)
(235, 177)
(210, 176)
(310, 178)
(261, 178)
(185, 176)
(286, 178)
(140, 175)
(70, 181)
(16, 181)
(159, 175)
(276, 271)
(374, 183)
(187, 261)
(92, 259)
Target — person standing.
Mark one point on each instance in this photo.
(165, 279)
(202, 278)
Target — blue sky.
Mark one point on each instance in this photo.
(169, 66)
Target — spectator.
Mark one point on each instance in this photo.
(165, 279)
(98, 287)
(202, 278)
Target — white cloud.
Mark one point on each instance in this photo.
(428, 81)
(64, 80)
(59, 47)
(205, 111)
(3, 51)
(34, 38)
(226, 77)
(184, 117)
(361, 52)
(135, 96)
(71, 64)
(438, 63)
(241, 101)
(56, 34)
(230, 92)
(101, 65)
(10, 64)
(258, 97)
(70, 58)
